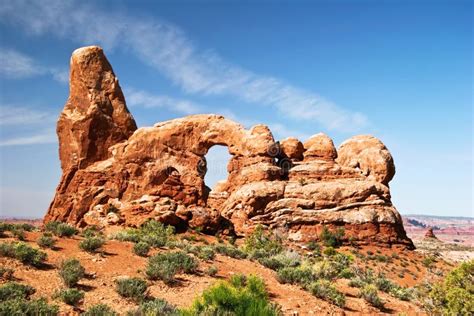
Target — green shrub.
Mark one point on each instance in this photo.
(154, 233)
(313, 245)
(133, 288)
(141, 249)
(206, 253)
(70, 296)
(6, 273)
(60, 229)
(401, 293)
(356, 282)
(230, 251)
(346, 273)
(239, 296)
(259, 240)
(384, 284)
(164, 266)
(13, 290)
(369, 293)
(455, 295)
(428, 261)
(19, 233)
(154, 307)
(329, 251)
(91, 231)
(71, 271)
(46, 240)
(12, 227)
(325, 270)
(326, 291)
(99, 310)
(29, 308)
(92, 244)
(332, 239)
(298, 275)
(283, 259)
(212, 271)
(23, 252)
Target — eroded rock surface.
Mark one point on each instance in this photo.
(115, 174)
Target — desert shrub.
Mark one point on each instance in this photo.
(141, 249)
(164, 266)
(404, 294)
(288, 258)
(46, 240)
(156, 306)
(99, 310)
(91, 231)
(60, 229)
(239, 296)
(206, 253)
(455, 295)
(6, 273)
(19, 233)
(202, 252)
(332, 239)
(356, 282)
(284, 259)
(313, 245)
(329, 251)
(92, 244)
(212, 271)
(259, 240)
(428, 261)
(12, 227)
(13, 290)
(325, 270)
(230, 251)
(70, 296)
(298, 275)
(65, 230)
(133, 288)
(383, 284)
(23, 252)
(369, 293)
(154, 233)
(28, 307)
(328, 292)
(71, 271)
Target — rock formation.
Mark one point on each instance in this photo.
(430, 234)
(115, 174)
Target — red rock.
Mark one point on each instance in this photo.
(429, 233)
(158, 172)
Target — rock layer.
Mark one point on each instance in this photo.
(115, 174)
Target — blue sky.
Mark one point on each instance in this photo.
(400, 70)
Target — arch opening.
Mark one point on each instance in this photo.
(217, 159)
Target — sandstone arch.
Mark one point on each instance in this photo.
(158, 172)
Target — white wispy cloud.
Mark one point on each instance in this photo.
(20, 115)
(42, 137)
(141, 98)
(20, 125)
(17, 65)
(166, 47)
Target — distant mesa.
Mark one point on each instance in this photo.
(116, 174)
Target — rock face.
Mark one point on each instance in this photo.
(115, 174)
